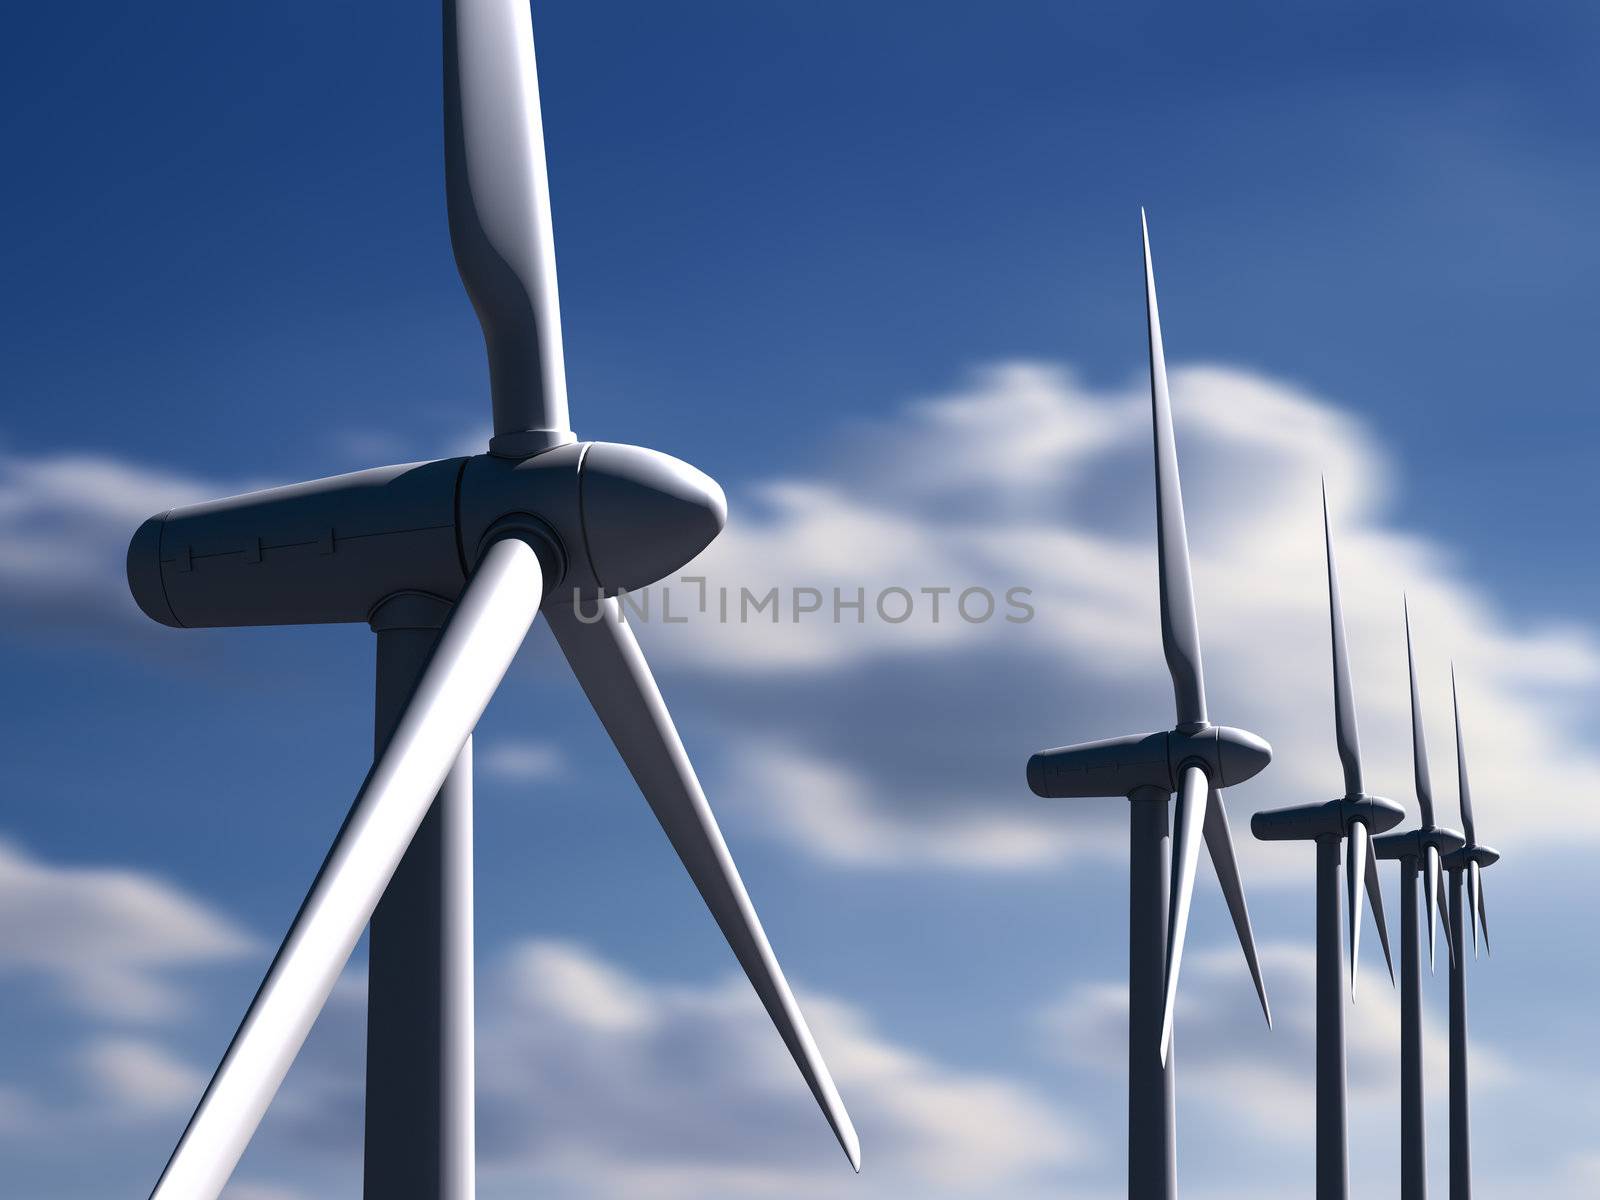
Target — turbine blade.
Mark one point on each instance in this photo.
(1467, 824)
(1355, 866)
(1431, 889)
(1474, 887)
(1219, 844)
(474, 649)
(1375, 897)
(1483, 920)
(1180, 628)
(617, 680)
(1419, 740)
(1193, 791)
(1447, 921)
(1344, 704)
(498, 195)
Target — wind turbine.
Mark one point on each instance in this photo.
(1419, 852)
(1195, 759)
(1466, 861)
(1352, 819)
(449, 562)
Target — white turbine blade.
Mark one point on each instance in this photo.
(1431, 890)
(614, 675)
(1193, 791)
(1375, 898)
(1180, 627)
(474, 649)
(1474, 884)
(1344, 704)
(1419, 741)
(1219, 844)
(1483, 919)
(1467, 825)
(1447, 922)
(1355, 867)
(498, 195)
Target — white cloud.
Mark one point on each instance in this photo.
(1228, 1055)
(668, 1090)
(139, 1077)
(1241, 1082)
(594, 1081)
(108, 939)
(65, 521)
(521, 762)
(1025, 477)
(913, 736)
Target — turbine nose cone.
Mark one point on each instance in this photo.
(1385, 814)
(1039, 775)
(645, 514)
(1241, 755)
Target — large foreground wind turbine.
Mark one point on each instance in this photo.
(449, 562)
(1196, 760)
(1467, 861)
(1419, 852)
(1352, 819)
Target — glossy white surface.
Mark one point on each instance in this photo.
(475, 648)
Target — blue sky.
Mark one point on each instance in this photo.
(874, 268)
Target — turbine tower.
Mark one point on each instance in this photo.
(1466, 861)
(450, 562)
(1419, 853)
(1195, 760)
(1352, 819)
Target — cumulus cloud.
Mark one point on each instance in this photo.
(520, 762)
(1229, 1057)
(139, 1077)
(1239, 1082)
(108, 940)
(1025, 477)
(65, 521)
(912, 736)
(595, 1081)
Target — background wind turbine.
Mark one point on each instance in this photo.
(1195, 759)
(450, 562)
(1466, 863)
(1419, 853)
(1352, 819)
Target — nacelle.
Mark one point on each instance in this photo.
(1466, 855)
(1308, 822)
(1123, 765)
(311, 553)
(1413, 843)
(604, 518)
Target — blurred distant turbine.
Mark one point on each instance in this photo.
(449, 562)
(1418, 851)
(1195, 759)
(1352, 819)
(1466, 861)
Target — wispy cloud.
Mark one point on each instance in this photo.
(597, 1081)
(137, 1077)
(1229, 1056)
(108, 941)
(1239, 1082)
(520, 762)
